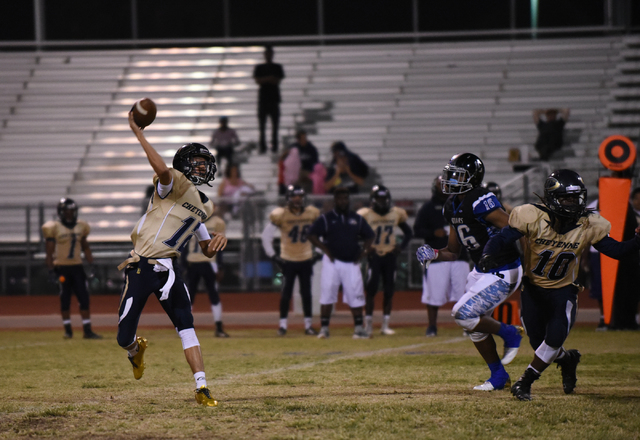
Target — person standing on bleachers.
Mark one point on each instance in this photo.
(346, 169)
(550, 130)
(268, 76)
(224, 140)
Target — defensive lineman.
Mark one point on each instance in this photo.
(381, 261)
(296, 252)
(556, 232)
(474, 214)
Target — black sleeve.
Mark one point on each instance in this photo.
(616, 249)
(408, 235)
(506, 236)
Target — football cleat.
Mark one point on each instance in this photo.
(282, 331)
(522, 388)
(68, 335)
(432, 331)
(92, 335)
(512, 344)
(387, 331)
(498, 381)
(311, 332)
(221, 334)
(568, 365)
(137, 362)
(360, 333)
(324, 333)
(203, 397)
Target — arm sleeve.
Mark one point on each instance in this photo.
(408, 235)
(616, 249)
(201, 233)
(164, 190)
(500, 240)
(267, 239)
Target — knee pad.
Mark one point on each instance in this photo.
(547, 354)
(468, 324)
(189, 338)
(477, 336)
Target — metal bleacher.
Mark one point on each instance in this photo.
(404, 108)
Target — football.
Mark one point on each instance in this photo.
(144, 112)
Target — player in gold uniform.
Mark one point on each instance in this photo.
(557, 232)
(176, 211)
(65, 240)
(296, 252)
(383, 219)
(209, 269)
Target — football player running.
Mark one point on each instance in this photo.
(65, 239)
(296, 252)
(475, 214)
(383, 218)
(176, 211)
(556, 231)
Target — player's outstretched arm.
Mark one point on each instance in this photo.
(216, 243)
(618, 249)
(506, 236)
(156, 161)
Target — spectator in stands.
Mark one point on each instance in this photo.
(268, 76)
(224, 140)
(442, 281)
(550, 130)
(308, 152)
(288, 169)
(346, 169)
(66, 239)
(232, 189)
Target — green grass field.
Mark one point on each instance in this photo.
(405, 386)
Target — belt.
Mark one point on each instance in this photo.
(159, 265)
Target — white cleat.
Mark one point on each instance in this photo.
(509, 355)
(323, 333)
(387, 331)
(487, 386)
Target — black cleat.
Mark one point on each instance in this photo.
(568, 365)
(282, 331)
(522, 388)
(92, 335)
(311, 332)
(221, 334)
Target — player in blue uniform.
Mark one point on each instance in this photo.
(474, 214)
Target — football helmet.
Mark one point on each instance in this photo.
(292, 191)
(380, 198)
(68, 212)
(494, 188)
(184, 161)
(565, 194)
(463, 173)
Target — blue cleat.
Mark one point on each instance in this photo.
(512, 338)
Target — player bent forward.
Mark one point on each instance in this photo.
(474, 213)
(176, 211)
(556, 232)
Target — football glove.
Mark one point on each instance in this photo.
(486, 263)
(426, 254)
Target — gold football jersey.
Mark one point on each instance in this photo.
(294, 245)
(195, 255)
(552, 260)
(383, 226)
(169, 223)
(67, 240)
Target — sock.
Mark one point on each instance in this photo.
(86, 326)
(201, 381)
(67, 326)
(219, 326)
(135, 349)
(307, 323)
(385, 321)
(283, 323)
(217, 312)
(324, 322)
(504, 330)
(495, 367)
(357, 320)
(536, 371)
(498, 375)
(358, 328)
(368, 320)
